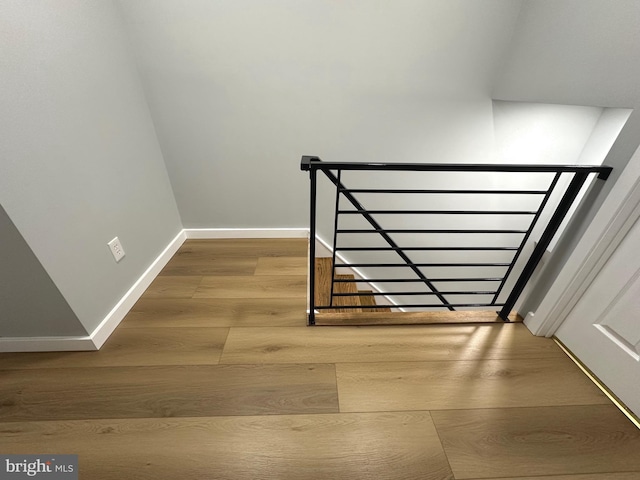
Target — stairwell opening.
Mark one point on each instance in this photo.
(532, 130)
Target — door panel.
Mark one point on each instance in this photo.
(603, 329)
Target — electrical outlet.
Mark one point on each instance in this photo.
(116, 249)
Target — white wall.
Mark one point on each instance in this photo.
(239, 90)
(580, 52)
(80, 161)
(552, 134)
(547, 134)
(542, 133)
(604, 135)
(525, 133)
(595, 151)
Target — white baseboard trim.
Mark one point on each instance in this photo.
(120, 310)
(110, 322)
(46, 344)
(212, 233)
(117, 314)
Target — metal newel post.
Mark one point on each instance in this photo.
(312, 247)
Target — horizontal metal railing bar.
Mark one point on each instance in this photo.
(314, 163)
(411, 305)
(385, 236)
(385, 249)
(374, 294)
(400, 230)
(448, 192)
(502, 264)
(437, 212)
(416, 280)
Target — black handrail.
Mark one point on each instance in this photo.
(579, 173)
(310, 162)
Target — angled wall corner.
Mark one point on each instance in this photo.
(81, 164)
(27, 294)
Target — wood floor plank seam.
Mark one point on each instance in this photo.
(435, 361)
(461, 409)
(535, 407)
(224, 342)
(613, 475)
(509, 408)
(446, 456)
(8, 423)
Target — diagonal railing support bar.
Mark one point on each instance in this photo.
(568, 198)
(335, 239)
(386, 237)
(532, 225)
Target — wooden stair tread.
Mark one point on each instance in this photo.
(349, 287)
(323, 281)
(411, 318)
(368, 300)
(323, 288)
(381, 316)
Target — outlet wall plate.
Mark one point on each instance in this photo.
(116, 249)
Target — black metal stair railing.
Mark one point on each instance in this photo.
(579, 174)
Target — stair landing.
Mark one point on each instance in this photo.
(411, 318)
(382, 316)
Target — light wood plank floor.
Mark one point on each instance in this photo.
(214, 375)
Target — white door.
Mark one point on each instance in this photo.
(603, 328)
